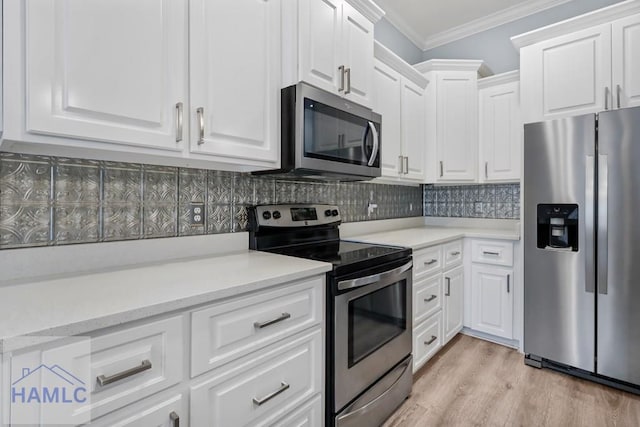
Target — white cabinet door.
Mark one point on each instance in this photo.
(357, 43)
(456, 126)
(320, 32)
(500, 133)
(568, 75)
(235, 80)
(413, 129)
(626, 61)
(492, 300)
(169, 412)
(453, 302)
(106, 70)
(386, 101)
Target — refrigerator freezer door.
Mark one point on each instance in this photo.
(559, 295)
(619, 245)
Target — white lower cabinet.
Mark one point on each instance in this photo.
(453, 302)
(427, 340)
(307, 415)
(258, 390)
(168, 412)
(492, 300)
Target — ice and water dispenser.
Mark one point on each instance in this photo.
(558, 227)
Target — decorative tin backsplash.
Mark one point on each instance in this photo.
(473, 201)
(54, 201)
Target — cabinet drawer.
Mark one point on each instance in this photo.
(308, 415)
(427, 340)
(493, 252)
(160, 414)
(132, 363)
(259, 389)
(427, 298)
(452, 254)
(229, 330)
(427, 261)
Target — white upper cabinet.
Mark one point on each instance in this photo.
(587, 64)
(500, 126)
(235, 80)
(626, 61)
(106, 70)
(399, 96)
(452, 120)
(329, 44)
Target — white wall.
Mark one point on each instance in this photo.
(390, 37)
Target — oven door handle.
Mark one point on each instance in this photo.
(363, 281)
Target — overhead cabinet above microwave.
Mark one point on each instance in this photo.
(329, 44)
(184, 82)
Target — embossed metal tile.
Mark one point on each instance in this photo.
(240, 218)
(264, 190)
(243, 189)
(24, 225)
(160, 185)
(160, 220)
(23, 179)
(219, 187)
(218, 219)
(192, 185)
(75, 183)
(75, 223)
(122, 184)
(122, 222)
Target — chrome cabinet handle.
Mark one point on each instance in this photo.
(406, 165)
(400, 164)
(508, 283)
(347, 71)
(363, 281)
(606, 97)
(441, 169)
(589, 224)
(455, 253)
(283, 387)
(431, 341)
(618, 88)
(603, 218)
(103, 380)
(200, 114)
(486, 170)
(341, 70)
(448, 292)
(175, 419)
(431, 298)
(260, 325)
(179, 121)
(430, 262)
(491, 253)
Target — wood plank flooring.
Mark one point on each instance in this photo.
(472, 382)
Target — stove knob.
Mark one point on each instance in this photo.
(266, 215)
(334, 212)
(327, 212)
(276, 215)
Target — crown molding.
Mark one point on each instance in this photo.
(451, 65)
(402, 26)
(498, 79)
(369, 9)
(386, 56)
(581, 22)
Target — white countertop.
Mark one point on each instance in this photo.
(82, 303)
(424, 236)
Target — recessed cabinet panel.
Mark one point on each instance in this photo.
(492, 300)
(413, 129)
(386, 101)
(453, 302)
(235, 81)
(106, 70)
(358, 55)
(626, 62)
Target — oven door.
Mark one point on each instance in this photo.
(372, 329)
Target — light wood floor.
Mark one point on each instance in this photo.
(476, 383)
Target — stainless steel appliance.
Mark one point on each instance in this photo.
(369, 318)
(325, 136)
(582, 246)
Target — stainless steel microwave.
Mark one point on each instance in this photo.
(325, 136)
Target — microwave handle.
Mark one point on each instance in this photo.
(376, 144)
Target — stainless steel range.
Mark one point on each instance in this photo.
(368, 346)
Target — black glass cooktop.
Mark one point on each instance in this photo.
(343, 253)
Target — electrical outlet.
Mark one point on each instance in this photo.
(196, 214)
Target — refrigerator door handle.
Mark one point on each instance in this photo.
(603, 188)
(589, 220)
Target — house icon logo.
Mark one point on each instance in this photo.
(48, 385)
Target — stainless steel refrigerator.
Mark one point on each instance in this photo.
(582, 245)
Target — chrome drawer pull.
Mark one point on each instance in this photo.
(175, 419)
(103, 381)
(491, 253)
(456, 253)
(431, 341)
(283, 387)
(200, 115)
(283, 316)
(431, 298)
(430, 262)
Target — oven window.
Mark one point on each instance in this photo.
(375, 319)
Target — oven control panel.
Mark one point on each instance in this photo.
(296, 215)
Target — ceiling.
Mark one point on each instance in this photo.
(432, 23)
